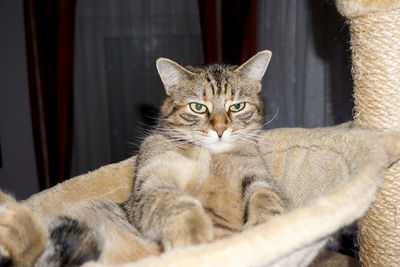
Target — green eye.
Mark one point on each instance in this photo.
(237, 107)
(198, 108)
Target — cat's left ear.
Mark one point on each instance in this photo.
(171, 73)
(255, 67)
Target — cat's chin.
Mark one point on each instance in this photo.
(215, 144)
(218, 146)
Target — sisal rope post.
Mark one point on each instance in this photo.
(375, 45)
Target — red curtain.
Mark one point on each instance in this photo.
(49, 34)
(229, 30)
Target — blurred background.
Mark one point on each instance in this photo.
(78, 82)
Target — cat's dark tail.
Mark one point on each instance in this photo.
(70, 243)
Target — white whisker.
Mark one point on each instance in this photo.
(273, 118)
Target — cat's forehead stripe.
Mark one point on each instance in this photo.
(213, 86)
(217, 79)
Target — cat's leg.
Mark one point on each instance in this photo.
(22, 233)
(70, 243)
(261, 201)
(100, 228)
(169, 216)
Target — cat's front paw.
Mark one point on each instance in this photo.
(189, 227)
(262, 206)
(22, 234)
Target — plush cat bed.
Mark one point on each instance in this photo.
(330, 174)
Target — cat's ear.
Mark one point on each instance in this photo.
(171, 73)
(255, 67)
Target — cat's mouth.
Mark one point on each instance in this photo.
(215, 143)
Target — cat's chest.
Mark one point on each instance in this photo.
(222, 198)
(236, 167)
(224, 168)
(222, 192)
(197, 166)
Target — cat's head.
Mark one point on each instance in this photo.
(213, 106)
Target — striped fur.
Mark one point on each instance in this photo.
(71, 243)
(199, 174)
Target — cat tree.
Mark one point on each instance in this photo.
(375, 45)
(332, 174)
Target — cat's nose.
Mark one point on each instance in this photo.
(220, 129)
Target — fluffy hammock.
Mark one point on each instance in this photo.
(332, 174)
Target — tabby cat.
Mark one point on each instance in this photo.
(199, 174)
(199, 177)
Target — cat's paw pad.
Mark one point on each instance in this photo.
(191, 226)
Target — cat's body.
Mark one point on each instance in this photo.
(199, 174)
(215, 181)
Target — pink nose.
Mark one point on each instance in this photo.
(220, 130)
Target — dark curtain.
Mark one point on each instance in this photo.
(308, 82)
(1, 159)
(229, 30)
(49, 32)
(117, 88)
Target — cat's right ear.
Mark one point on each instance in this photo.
(171, 73)
(255, 67)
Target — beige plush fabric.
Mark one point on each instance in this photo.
(113, 181)
(329, 175)
(357, 8)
